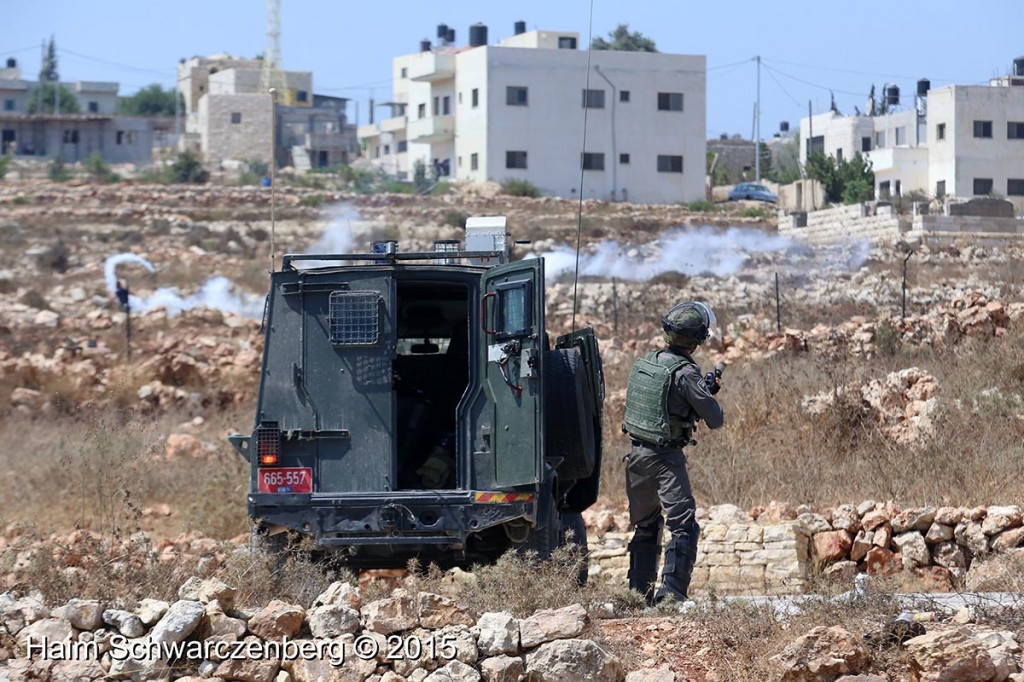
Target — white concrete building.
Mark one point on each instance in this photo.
(959, 141)
(515, 110)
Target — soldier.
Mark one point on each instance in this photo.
(666, 396)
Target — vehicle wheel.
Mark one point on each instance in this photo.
(574, 531)
(568, 427)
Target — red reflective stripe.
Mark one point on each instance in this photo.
(503, 497)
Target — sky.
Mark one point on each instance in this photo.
(808, 49)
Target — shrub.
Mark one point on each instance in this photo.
(99, 170)
(701, 206)
(187, 168)
(396, 187)
(519, 188)
(5, 162)
(57, 170)
(454, 218)
(756, 212)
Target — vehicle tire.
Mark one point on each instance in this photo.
(574, 531)
(568, 426)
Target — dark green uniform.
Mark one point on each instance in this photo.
(658, 485)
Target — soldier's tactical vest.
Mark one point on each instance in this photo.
(647, 416)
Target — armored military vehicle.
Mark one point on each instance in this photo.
(413, 405)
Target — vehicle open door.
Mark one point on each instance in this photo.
(512, 320)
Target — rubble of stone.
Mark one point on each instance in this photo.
(406, 637)
(902, 404)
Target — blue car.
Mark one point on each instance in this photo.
(749, 190)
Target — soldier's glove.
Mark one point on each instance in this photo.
(715, 388)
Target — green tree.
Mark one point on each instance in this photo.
(57, 170)
(844, 181)
(49, 71)
(625, 40)
(151, 100)
(44, 101)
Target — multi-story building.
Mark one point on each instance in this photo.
(517, 110)
(73, 137)
(959, 140)
(229, 117)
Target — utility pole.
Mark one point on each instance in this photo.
(273, 178)
(757, 146)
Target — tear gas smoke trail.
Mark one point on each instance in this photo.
(217, 293)
(337, 237)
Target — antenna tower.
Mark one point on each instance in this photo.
(272, 76)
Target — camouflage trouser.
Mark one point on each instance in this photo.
(658, 488)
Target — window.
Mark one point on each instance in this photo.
(1015, 130)
(404, 73)
(403, 146)
(816, 145)
(94, 107)
(387, 150)
(623, 95)
(125, 137)
(376, 153)
(566, 43)
(437, 106)
(670, 164)
(475, 98)
(515, 159)
(865, 144)
(880, 140)
(513, 309)
(1015, 188)
(624, 159)
(236, 117)
(901, 136)
(473, 161)
(301, 96)
(354, 318)
(839, 154)
(982, 186)
(983, 128)
(446, 105)
(70, 137)
(421, 110)
(8, 105)
(670, 101)
(593, 161)
(593, 99)
(940, 131)
(884, 190)
(516, 96)
(898, 186)
(940, 189)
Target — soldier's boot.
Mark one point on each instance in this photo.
(677, 571)
(643, 566)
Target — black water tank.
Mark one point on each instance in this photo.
(450, 38)
(477, 35)
(442, 31)
(424, 45)
(892, 95)
(12, 63)
(1018, 66)
(520, 27)
(784, 126)
(923, 86)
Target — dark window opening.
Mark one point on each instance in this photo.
(437, 106)
(940, 189)
(474, 162)
(236, 117)
(839, 154)
(403, 146)
(8, 105)
(421, 111)
(884, 190)
(513, 310)
(1015, 188)
(865, 144)
(566, 43)
(1015, 130)
(593, 161)
(475, 98)
(817, 145)
(624, 159)
(624, 95)
(70, 137)
(446, 105)
(983, 128)
(94, 107)
(982, 186)
(515, 159)
(301, 96)
(516, 96)
(593, 99)
(670, 164)
(940, 131)
(670, 101)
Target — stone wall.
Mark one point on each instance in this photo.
(946, 229)
(845, 222)
(778, 550)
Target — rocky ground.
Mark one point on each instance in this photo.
(195, 344)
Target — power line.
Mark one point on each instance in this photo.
(116, 65)
(860, 73)
(21, 49)
(771, 74)
(725, 66)
(817, 85)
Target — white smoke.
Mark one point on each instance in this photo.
(217, 293)
(336, 238)
(695, 251)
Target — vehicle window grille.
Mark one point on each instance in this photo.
(268, 440)
(354, 318)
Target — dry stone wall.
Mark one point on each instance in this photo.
(778, 550)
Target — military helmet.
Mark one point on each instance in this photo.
(689, 323)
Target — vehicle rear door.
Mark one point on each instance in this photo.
(511, 353)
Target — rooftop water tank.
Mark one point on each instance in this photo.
(923, 86)
(442, 31)
(520, 27)
(477, 35)
(424, 45)
(892, 95)
(1018, 66)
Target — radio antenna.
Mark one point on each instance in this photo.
(579, 211)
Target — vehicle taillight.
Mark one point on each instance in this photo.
(268, 443)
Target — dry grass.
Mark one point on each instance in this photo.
(771, 450)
